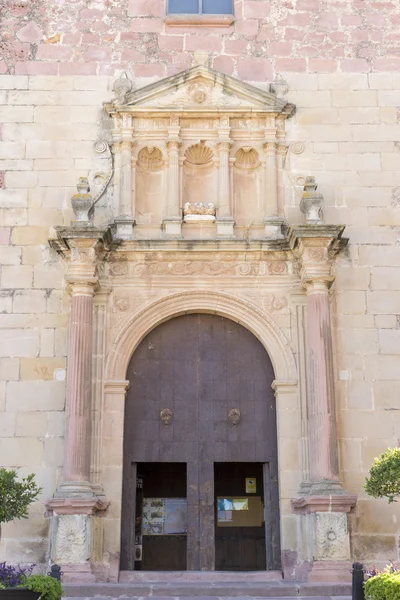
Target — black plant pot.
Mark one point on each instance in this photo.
(18, 594)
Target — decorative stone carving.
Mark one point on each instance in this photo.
(166, 416)
(199, 155)
(247, 158)
(199, 212)
(122, 87)
(312, 202)
(71, 539)
(150, 159)
(331, 536)
(234, 416)
(82, 203)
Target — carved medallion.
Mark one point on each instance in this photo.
(234, 416)
(166, 415)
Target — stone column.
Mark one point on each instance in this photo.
(123, 182)
(273, 219)
(225, 221)
(75, 502)
(324, 503)
(173, 215)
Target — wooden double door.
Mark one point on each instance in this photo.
(200, 424)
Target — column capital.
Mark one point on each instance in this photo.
(82, 248)
(316, 246)
(173, 143)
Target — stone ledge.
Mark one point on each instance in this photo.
(338, 503)
(199, 20)
(77, 506)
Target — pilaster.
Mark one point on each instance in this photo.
(324, 503)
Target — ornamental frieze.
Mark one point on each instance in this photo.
(198, 267)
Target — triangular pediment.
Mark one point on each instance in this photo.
(199, 89)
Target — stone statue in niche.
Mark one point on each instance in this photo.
(311, 203)
(199, 212)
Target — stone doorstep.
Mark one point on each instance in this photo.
(218, 589)
(217, 597)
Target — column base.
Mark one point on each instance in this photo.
(275, 228)
(172, 227)
(225, 227)
(74, 489)
(123, 228)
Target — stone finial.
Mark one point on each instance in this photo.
(82, 203)
(122, 86)
(311, 203)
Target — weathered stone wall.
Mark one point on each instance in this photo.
(340, 60)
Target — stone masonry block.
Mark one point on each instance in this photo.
(6, 298)
(17, 276)
(19, 342)
(47, 342)
(351, 302)
(11, 150)
(359, 395)
(382, 367)
(11, 255)
(9, 369)
(21, 179)
(35, 395)
(31, 424)
(7, 424)
(21, 452)
(383, 302)
(10, 198)
(32, 301)
(16, 114)
(389, 341)
(386, 394)
(41, 368)
(29, 236)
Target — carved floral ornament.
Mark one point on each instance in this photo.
(199, 267)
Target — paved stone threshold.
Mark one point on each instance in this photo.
(209, 591)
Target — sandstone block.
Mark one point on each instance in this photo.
(16, 114)
(359, 395)
(383, 302)
(7, 424)
(381, 81)
(31, 424)
(13, 216)
(361, 341)
(40, 149)
(41, 368)
(312, 98)
(31, 98)
(56, 423)
(47, 276)
(389, 341)
(85, 98)
(47, 343)
(364, 424)
(22, 131)
(385, 278)
(384, 367)
(6, 301)
(385, 321)
(386, 394)
(51, 83)
(29, 236)
(61, 342)
(376, 515)
(371, 235)
(19, 342)
(21, 179)
(45, 216)
(351, 303)
(21, 452)
(364, 162)
(2, 396)
(352, 278)
(51, 114)
(32, 301)
(343, 81)
(11, 255)
(13, 82)
(11, 150)
(10, 198)
(370, 449)
(16, 276)
(35, 395)
(9, 369)
(53, 452)
(350, 454)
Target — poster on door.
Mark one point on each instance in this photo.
(164, 516)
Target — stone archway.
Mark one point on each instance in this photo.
(285, 386)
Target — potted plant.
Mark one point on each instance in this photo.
(18, 583)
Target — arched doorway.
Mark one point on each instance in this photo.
(200, 442)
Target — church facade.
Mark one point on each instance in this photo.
(199, 343)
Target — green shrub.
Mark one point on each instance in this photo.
(48, 587)
(15, 495)
(385, 586)
(384, 480)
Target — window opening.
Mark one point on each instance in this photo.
(202, 7)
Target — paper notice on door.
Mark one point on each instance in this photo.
(251, 485)
(240, 504)
(224, 516)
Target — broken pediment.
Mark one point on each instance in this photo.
(200, 89)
